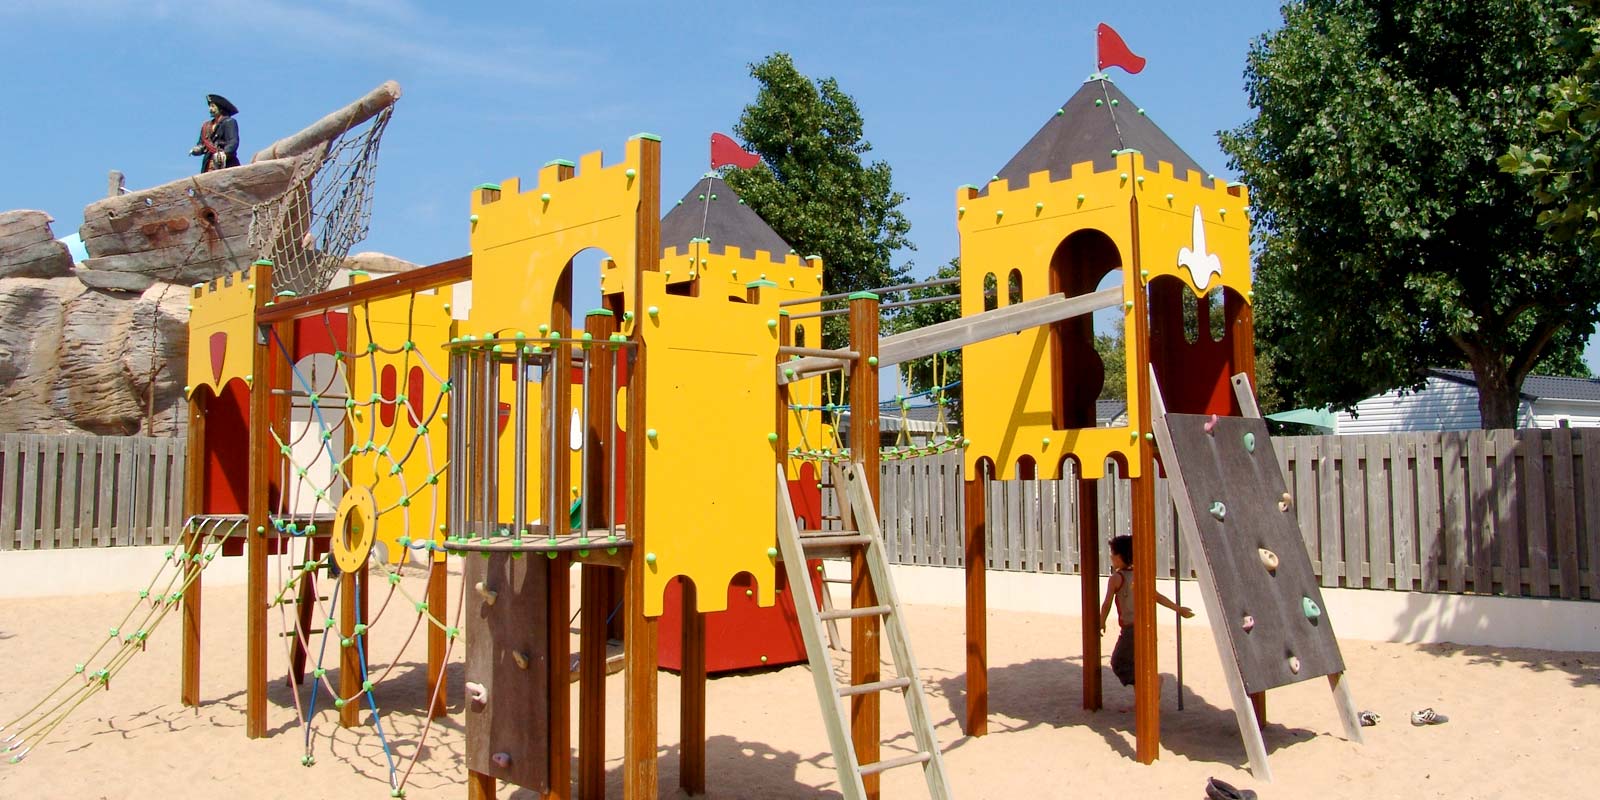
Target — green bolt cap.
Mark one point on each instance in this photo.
(338, 702)
(346, 642)
(772, 437)
(872, 360)
(649, 558)
(650, 434)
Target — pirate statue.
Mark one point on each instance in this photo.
(219, 136)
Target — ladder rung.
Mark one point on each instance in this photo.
(853, 613)
(287, 634)
(825, 539)
(836, 580)
(903, 761)
(875, 686)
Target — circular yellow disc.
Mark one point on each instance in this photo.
(353, 528)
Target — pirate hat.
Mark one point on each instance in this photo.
(222, 104)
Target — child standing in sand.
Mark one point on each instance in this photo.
(1120, 589)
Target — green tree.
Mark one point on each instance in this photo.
(942, 369)
(813, 186)
(1565, 163)
(1389, 240)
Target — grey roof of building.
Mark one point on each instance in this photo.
(1083, 132)
(1536, 387)
(712, 209)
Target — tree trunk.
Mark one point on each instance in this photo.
(1498, 398)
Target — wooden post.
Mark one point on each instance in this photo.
(639, 740)
(865, 719)
(560, 687)
(480, 786)
(303, 617)
(1258, 702)
(975, 549)
(439, 607)
(194, 493)
(350, 672)
(596, 597)
(1089, 588)
(261, 468)
(692, 695)
(1142, 519)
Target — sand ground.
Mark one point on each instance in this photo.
(1522, 721)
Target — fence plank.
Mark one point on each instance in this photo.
(1032, 548)
(1049, 526)
(1164, 566)
(1305, 495)
(1067, 522)
(29, 499)
(1507, 524)
(1456, 527)
(125, 498)
(1589, 440)
(1530, 443)
(175, 493)
(1402, 497)
(1429, 512)
(141, 492)
(49, 497)
(105, 487)
(1566, 519)
(1480, 530)
(72, 448)
(160, 452)
(1328, 532)
(1353, 505)
(1015, 545)
(10, 475)
(1380, 553)
(889, 513)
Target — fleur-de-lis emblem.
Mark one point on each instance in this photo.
(1202, 265)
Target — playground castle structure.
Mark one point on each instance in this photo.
(674, 500)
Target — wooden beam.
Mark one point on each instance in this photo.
(975, 549)
(596, 597)
(639, 775)
(443, 273)
(481, 786)
(1089, 588)
(1147, 675)
(439, 607)
(261, 464)
(865, 709)
(956, 333)
(350, 673)
(194, 493)
(332, 125)
(692, 695)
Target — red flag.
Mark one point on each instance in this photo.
(1113, 52)
(725, 151)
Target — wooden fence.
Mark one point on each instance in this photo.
(1411, 512)
(89, 491)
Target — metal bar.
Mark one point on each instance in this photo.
(583, 449)
(444, 273)
(519, 487)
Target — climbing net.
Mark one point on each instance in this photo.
(343, 447)
(158, 599)
(308, 230)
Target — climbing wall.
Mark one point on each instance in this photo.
(508, 659)
(1272, 612)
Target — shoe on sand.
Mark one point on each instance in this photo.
(1428, 716)
(1217, 790)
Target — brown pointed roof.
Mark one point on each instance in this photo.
(712, 209)
(1082, 131)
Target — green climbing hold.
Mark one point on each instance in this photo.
(1310, 607)
(1249, 442)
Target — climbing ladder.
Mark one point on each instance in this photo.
(797, 546)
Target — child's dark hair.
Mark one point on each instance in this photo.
(1123, 546)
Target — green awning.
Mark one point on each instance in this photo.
(1315, 417)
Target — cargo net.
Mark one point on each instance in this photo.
(308, 230)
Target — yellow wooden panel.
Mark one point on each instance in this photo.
(224, 308)
(710, 397)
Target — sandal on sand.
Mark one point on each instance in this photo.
(1368, 718)
(1428, 716)
(1217, 790)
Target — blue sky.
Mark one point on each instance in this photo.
(494, 89)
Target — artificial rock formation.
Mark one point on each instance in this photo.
(28, 249)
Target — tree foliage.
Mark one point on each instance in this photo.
(942, 369)
(1564, 164)
(813, 186)
(1389, 239)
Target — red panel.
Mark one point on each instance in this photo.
(414, 396)
(328, 332)
(219, 354)
(227, 451)
(736, 639)
(387, 391)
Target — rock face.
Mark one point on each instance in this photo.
(28, 249)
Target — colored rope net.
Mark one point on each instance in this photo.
(308, 230)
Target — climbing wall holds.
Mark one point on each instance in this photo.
(1249, 443)
(1248, 623)
(1286, 502)
(488, 595)
(501, 760)
(521, 658)
(1294, 664)
(1311, 609)
(1269, 559)
(477, 692)
(1218, 510)
(1211, 424)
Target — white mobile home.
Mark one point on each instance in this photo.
(1449, 402)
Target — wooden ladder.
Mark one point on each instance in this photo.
(796, 546)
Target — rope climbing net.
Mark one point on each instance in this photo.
(338, 447)
(308, 230)
(834, 405)
(156, 601)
